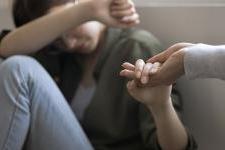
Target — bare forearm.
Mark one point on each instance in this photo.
(39, 33)
(170, 131)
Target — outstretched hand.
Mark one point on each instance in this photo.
(172, 67)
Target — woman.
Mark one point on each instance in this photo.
(34, 113)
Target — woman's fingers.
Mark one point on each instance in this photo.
(133, 19)
(139, 65)
(145, 73)
(128, 74)
(128, 70)
(141, 72)
(122, 8)
(123, 13)
(128, 66)
(155, 68)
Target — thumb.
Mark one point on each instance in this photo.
(162, 57)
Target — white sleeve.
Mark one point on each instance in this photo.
(205, 61)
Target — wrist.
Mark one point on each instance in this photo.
(162, 108)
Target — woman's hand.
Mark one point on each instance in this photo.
(116, 13)
(151, 96)
(173, 65)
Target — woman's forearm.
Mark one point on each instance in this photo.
(35, 35)
(170, 131)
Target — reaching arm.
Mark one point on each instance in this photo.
(170, 131)
(33, 36)
(193, 60)
(38, 33)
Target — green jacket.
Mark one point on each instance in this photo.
(113, 119)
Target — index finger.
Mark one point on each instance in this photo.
(128, 66)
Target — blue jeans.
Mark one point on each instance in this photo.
(34, 115)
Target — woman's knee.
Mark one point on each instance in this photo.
(19, 65)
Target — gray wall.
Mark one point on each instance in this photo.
(5, 14)
(5, 21)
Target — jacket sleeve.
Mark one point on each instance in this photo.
(205, 61)
(143, 45)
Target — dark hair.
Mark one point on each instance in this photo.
(25, 11)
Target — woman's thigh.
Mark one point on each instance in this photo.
(33, 110)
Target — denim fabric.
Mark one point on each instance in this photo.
(33, 113)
